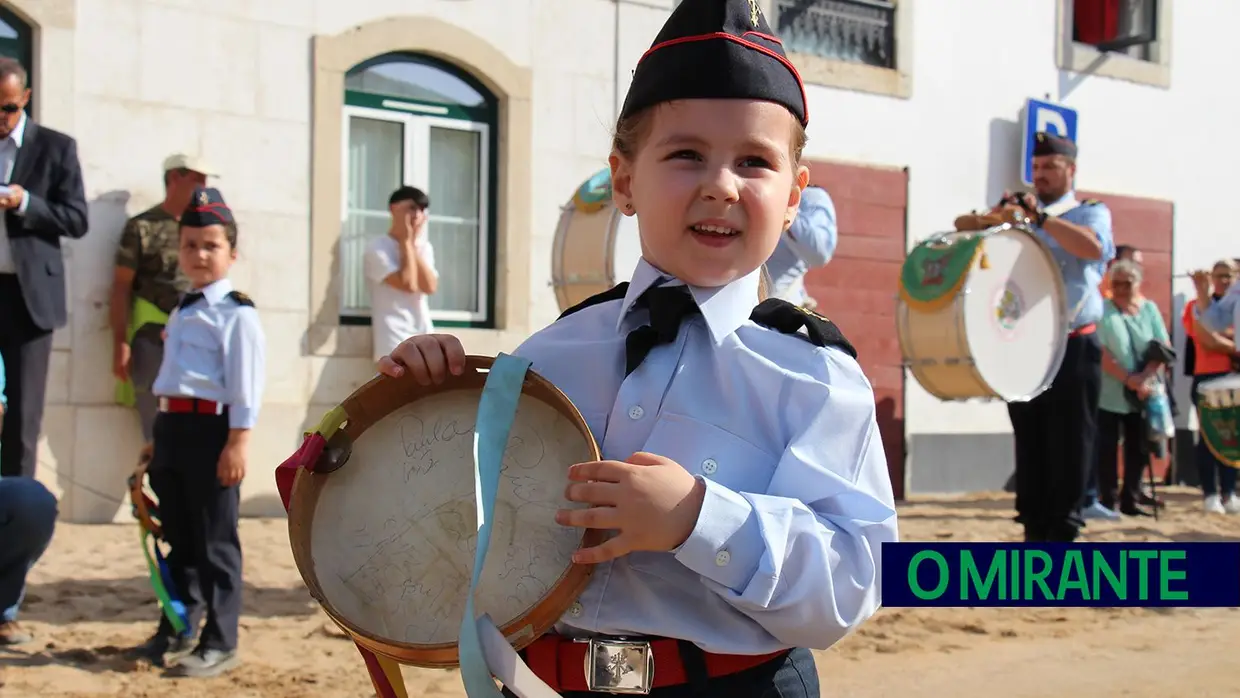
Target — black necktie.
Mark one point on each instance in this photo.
(668, 306)
(190, 299)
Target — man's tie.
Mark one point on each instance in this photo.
(668, 306)
(190, 299)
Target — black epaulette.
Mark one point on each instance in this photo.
(241, 298)
(787, 318)
(615, 293)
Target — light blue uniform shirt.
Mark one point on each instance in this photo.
(809, 243)
(216, 351)
(787, 548)
(1082, 276)
(1223, 314)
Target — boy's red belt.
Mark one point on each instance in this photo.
(561, 662)
(182, 405)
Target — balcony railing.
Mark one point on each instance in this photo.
(856, 31)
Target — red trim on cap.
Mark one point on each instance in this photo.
(211, 207)
(760, 35)
(748, 44)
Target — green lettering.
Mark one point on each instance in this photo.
(1102, 568)
(1015, 593)
(1143, 574)
(916, 587)
(1166, 575)
(1074, 565)
(1037, 577)
(969, 579)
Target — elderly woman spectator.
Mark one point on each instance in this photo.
(1213, 353)
(1130, 322)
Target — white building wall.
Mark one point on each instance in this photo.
(232, 79)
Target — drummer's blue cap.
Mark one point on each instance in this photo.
(716, 49)
(206, 207)
(1050, 144)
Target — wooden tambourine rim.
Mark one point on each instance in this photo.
(368, 405)
(137, 497)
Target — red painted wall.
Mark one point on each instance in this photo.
(1148, 225)
(857, 289)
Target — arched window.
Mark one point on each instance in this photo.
(17, 41)
(415, 120)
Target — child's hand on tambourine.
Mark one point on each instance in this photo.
(429, 358)
(650, 501)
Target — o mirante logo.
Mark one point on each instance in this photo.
(1059, 574)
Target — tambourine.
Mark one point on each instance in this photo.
(143, 504)
(382, 516)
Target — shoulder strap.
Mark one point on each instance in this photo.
(241, 299)
(782, 316)
(615, 293)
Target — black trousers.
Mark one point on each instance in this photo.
(1054, 435)
(793, 675)
(199, 519)
(1112, 428)
(27, 352)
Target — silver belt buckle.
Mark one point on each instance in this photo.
(619, 666)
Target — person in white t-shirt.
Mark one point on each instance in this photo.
(400, 268)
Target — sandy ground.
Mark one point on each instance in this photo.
(89, 598)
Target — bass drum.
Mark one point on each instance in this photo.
(595, 247)
(983, 315)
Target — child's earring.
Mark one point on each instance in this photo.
(628, 207)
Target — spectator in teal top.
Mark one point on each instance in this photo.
(1129, 323)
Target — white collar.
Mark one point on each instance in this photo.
(1066, 203)
(216, 291)
(18, 134)
(725, 308)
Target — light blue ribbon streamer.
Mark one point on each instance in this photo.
(496, 411)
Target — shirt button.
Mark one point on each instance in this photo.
(722, 558)
(636, 412)
(709, 466)
(575, 609)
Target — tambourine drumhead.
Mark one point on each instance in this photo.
(386, 542)
(992, 324)
(595, 246)
(1223, 391)
(1014, 315)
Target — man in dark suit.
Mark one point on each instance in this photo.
(43, 200)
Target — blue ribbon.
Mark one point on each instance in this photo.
(496, 411)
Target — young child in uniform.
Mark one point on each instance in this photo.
(743, 475)
(210, 387)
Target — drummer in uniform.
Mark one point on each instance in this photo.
(745, 477)
(809, 243)
(210, 390)
(1054, 432)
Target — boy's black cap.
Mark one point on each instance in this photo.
(1049, 144)
(716, 49)
(206, 207)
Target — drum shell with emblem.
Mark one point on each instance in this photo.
(1002, 334)
(1218, 417)
(382, 526)
(595, 246)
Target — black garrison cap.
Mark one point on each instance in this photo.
(716, 49)
(1050, 144)
(206, 207)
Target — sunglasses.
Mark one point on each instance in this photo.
(10, 108)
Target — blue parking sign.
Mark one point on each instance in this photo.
(1043, 116)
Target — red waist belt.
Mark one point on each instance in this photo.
(1083, 330)
(192, 405)
(561, 662)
